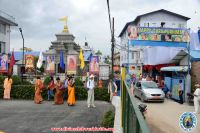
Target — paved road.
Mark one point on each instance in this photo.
(164, 117)
(26, 117)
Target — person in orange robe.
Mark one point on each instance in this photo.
(38, 88)
(71, 92)
(7, 87)
(58, 99)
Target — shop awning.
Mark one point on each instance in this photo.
(175, 69)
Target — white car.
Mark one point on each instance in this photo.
(148, 91)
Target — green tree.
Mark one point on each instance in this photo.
(1, 79)
(107, 59)
(16, 80)
(99, 53)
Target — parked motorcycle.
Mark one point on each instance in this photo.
(143, 109)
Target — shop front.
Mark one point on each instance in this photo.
(174, 77)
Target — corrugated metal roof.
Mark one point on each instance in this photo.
(195, 56)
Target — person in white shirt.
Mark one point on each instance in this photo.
(197, 99)
(90, 86)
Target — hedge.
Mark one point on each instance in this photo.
(27, 92)
(108, 119)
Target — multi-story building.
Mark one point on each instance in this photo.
(160, 18)
(5, 22)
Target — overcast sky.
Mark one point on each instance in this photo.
(87, 18)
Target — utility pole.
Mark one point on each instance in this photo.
(112, 47)
(20, 29)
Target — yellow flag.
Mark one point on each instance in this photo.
(81, 59)
(63, 18)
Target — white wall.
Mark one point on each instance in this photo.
(6, 38)
(171, 21)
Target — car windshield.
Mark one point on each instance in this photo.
(147, 85)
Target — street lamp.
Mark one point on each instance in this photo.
(20, 29)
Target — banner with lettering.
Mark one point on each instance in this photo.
(155, 36)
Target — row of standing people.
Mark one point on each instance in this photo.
(60, 87)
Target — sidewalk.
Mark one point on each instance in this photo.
(117, 103)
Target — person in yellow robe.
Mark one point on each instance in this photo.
(71, 92)
(58, 99)
(7, 87)
(38, 88)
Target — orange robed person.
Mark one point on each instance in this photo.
(58, 99)
(7, 87)
(71, 92)
(38, 88)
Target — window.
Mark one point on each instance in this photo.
(3, 28)
(138, 84)
(2, 47)
(162, 24)
(132, 55)
(146, 24)
(138, 55)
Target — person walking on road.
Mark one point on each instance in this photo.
(180, 90)
(197, 99)
(50, 89)
(58, 99)
(7, 87)
(65, 95)
(71, 91)
(90, 86)
(38, 89)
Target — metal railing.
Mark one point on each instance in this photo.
(132, 119)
